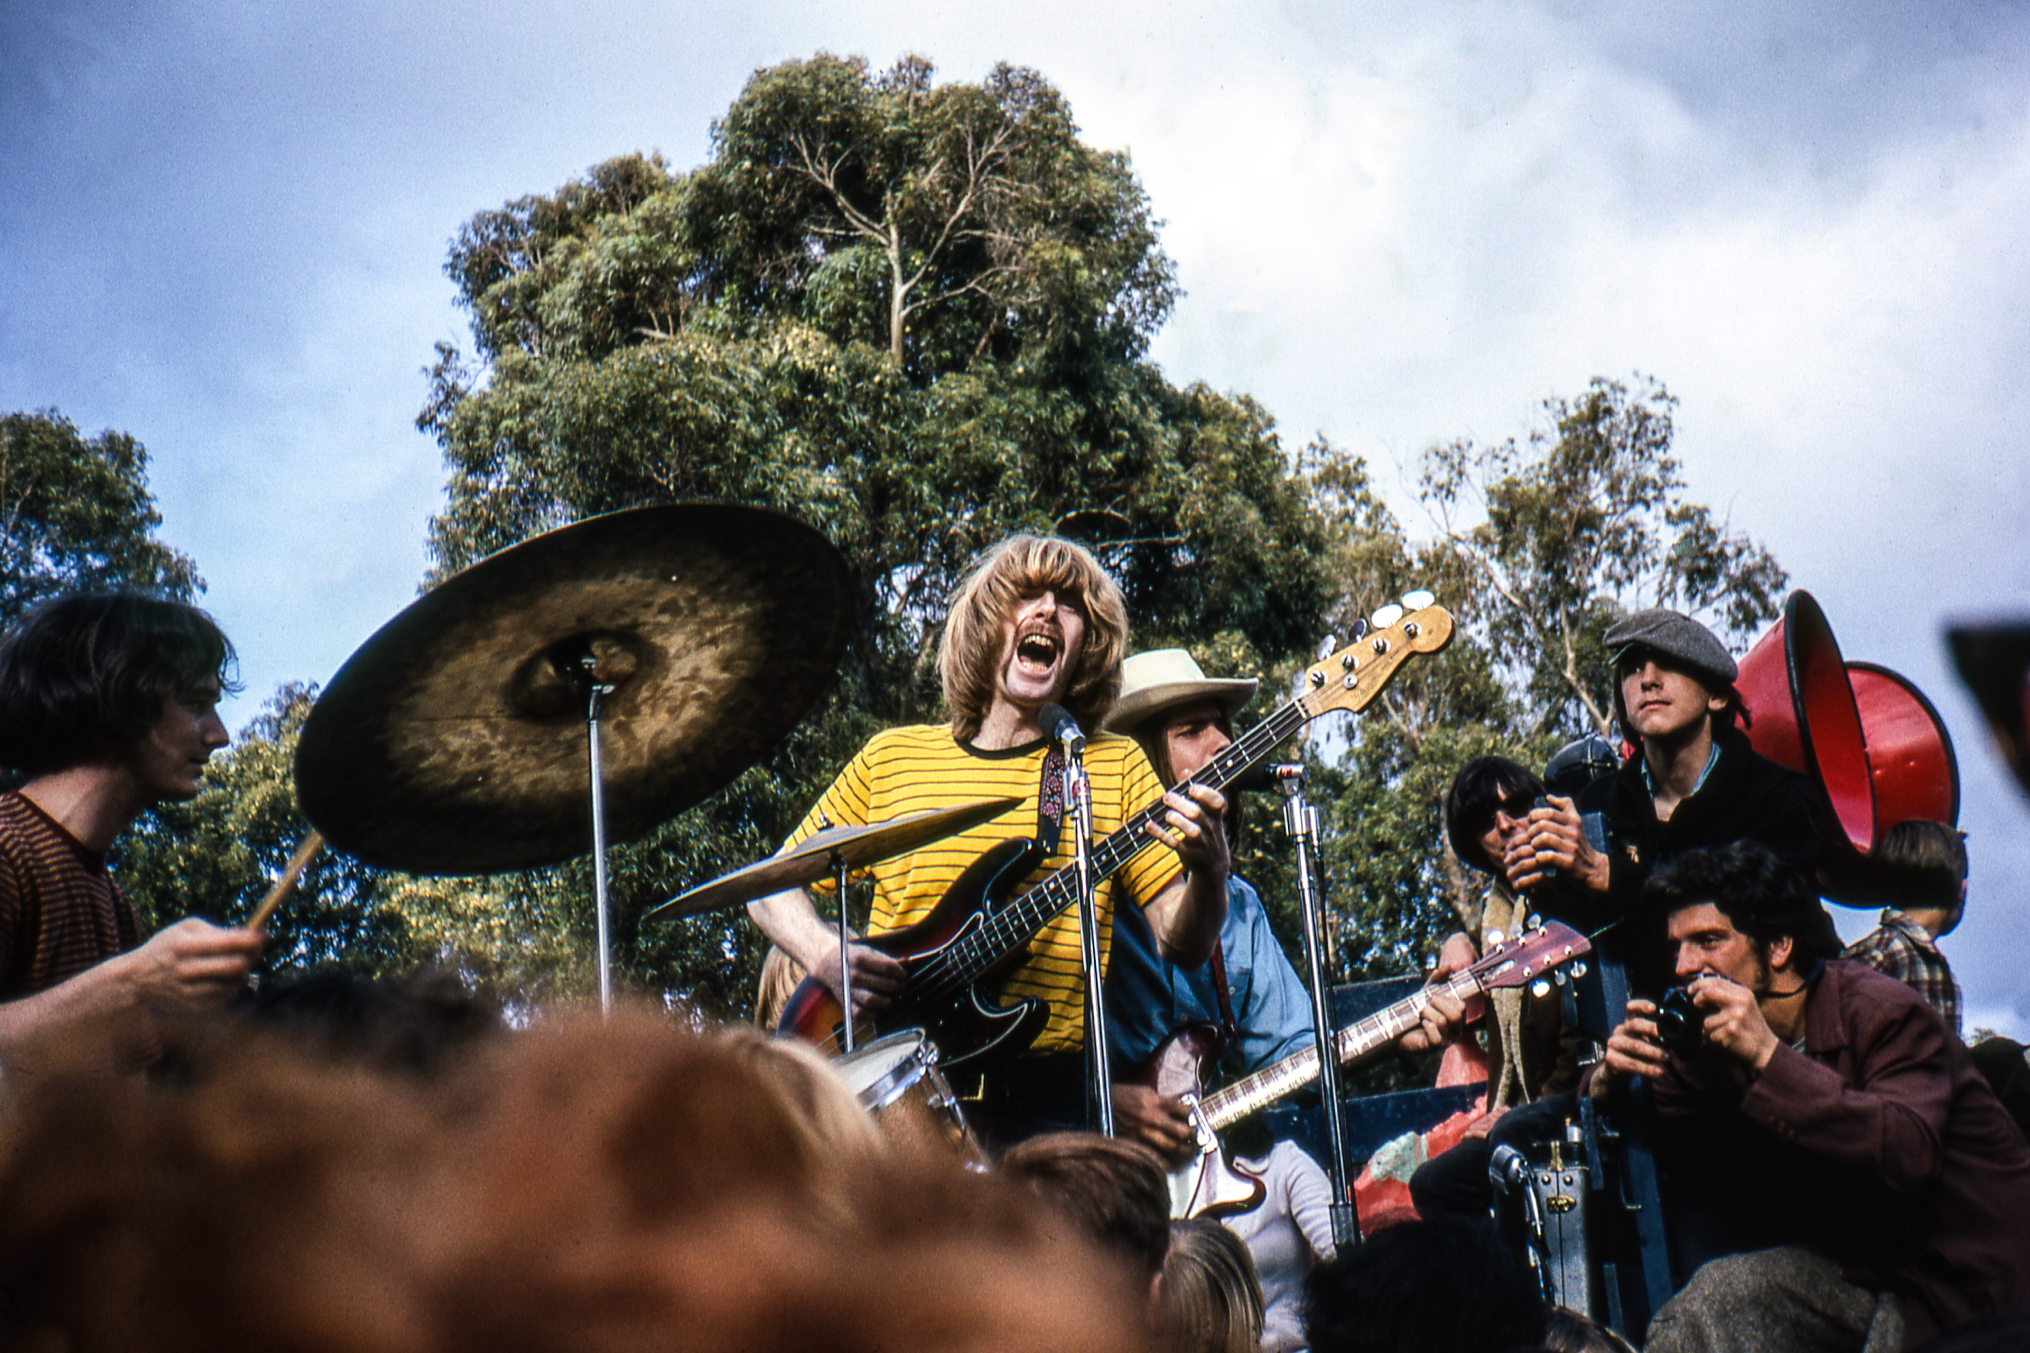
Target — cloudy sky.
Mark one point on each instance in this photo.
(222, 225)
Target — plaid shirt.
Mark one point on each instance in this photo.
(1905, 950)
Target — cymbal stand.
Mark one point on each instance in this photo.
(583, 672)
(1300, 822)
(1099, 1085)
(845, 961)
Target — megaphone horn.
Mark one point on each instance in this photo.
(1802, 714)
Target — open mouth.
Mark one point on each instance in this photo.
(1036, 652)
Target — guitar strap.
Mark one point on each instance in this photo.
(1050, 802)
(1229, 1028)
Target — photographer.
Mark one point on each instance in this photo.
(1834, 1154)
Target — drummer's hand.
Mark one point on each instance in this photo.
(192, 964)
(1158, 1122)
(876, 977)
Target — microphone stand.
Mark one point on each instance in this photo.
(1099, 1072)
(1300, 822)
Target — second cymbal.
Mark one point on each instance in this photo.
(817, 855)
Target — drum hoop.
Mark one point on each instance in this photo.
(886, 1088)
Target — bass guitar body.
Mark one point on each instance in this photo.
(937, 953)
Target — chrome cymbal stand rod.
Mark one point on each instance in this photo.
(845, 962)
(595, 691)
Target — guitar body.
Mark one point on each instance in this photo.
(963, 1021)
(1206, 1185)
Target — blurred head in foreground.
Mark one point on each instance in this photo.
(590, 1184)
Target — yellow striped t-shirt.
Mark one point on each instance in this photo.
(922, 767)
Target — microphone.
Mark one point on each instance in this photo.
(1059, 725)
(1268, 775)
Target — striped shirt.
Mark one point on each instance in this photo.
(922, 767)
(60, 911)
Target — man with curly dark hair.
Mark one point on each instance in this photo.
(1838, 1164)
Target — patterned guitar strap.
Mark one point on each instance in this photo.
(1050, 802)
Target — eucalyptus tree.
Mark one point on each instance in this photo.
(913, 314)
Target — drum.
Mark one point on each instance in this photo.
(897, 1080)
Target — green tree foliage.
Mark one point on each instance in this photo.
(1542, 544)
(914, 316)
(75, 514)
(1581, 522)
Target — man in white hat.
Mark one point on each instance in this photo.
(1184, 719)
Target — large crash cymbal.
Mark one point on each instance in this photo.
(454, 742)
(818, 854)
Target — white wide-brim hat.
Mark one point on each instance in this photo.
(1164, 678)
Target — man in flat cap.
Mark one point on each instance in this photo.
(1692, 781)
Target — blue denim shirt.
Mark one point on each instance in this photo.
(1148, 997)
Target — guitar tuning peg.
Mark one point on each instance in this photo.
(1534, 921)
(1387, 616)
(1559, 977)
(1578, 972)
(1359, 630)
(1540, 988)
(1327, 646)
(1418, 600)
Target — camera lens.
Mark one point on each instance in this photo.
(1680, 1024)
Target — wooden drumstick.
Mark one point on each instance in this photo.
(287, 882)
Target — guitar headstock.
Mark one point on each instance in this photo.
(1356, 674)
(1530, 955)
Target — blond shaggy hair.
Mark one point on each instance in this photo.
(971, 644)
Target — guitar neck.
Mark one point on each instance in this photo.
(1227, 1106)
(1017, 923)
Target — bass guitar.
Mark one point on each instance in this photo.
(973, 933)
(1207, 1185)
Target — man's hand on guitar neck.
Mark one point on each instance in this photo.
(1157, 1121)
(1443, 1015)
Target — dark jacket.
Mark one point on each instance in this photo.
(1879, 1145)
(1746, 797)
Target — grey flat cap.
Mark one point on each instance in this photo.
(1675, 635)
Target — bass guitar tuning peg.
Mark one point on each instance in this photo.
(1327, 646)
(1387, 616)
(1418, 600)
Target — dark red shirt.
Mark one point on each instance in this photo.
(60, 911)
(1881, 1121)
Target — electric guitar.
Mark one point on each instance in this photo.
(972, 934)
(1207, 1185)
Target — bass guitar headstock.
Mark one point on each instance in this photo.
(1352, 677)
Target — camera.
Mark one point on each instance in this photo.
(1680, 1024)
